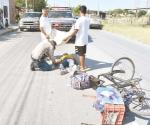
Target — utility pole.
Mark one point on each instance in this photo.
(69, 5)
(26, 2)
(33, 4)
(54, 3)
(147, 3)
(136, 7)
(97, 7)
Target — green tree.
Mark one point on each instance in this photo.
(20, 3)
(141, 13)
(76, 10)
(132, 13)
(116, 12)
(125, 12)
(39, 5)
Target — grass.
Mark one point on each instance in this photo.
(139, 33)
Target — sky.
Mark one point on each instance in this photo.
(102, 4)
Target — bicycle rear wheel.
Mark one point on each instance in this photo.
(122, 70)
(140, 106)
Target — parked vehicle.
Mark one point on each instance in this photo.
(30, 20)
(76, 17)
(1, 19)
(1, 25)
(61, 18)
(95, 22)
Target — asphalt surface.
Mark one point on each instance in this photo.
(116, 46)
(46, 98)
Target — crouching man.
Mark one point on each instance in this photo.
(44, 50)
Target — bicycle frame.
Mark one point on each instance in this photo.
(130, 95)
(111, 78)
(133, 95)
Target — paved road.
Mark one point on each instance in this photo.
(45, 98)
(37, 98)
(116, 46)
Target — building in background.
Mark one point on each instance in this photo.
(7, 13)
(101, 14)
(4, 13)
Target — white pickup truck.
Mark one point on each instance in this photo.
(61, 18)
(30, 21)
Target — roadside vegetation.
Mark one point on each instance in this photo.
(140, 33)
(36, 5)
(134, 25)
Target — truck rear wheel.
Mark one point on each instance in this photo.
(21, 29)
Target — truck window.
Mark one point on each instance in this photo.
(59, 14)
(32, 15)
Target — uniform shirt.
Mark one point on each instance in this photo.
(46, 25)
(82, 25)
(43, 48)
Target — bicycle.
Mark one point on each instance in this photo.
(122, 76)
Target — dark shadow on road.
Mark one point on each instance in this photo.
(130, 117)
(90, 63)
(8, 36)
(90, 39)
(86, 124)
(15, 34)
(148, 122)
(94, 64)
(31, 30)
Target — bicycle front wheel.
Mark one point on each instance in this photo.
(140, 106)
(122, 70)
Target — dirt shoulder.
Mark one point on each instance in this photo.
(139, 33)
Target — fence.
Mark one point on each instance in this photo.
(129, 20)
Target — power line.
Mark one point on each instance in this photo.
(26, 2)
(147, 3)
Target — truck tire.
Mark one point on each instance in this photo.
(21, 29)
